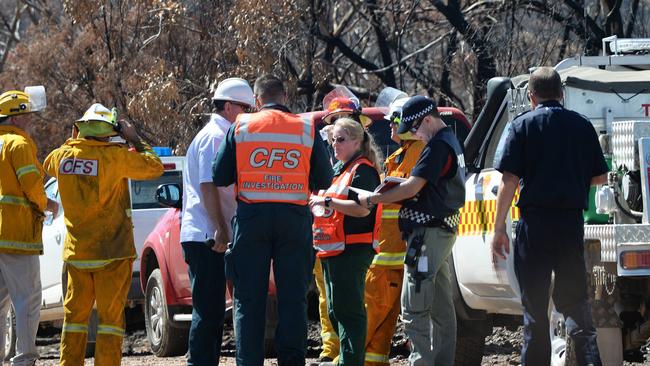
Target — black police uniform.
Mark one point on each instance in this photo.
(437, 204)
(555, 153)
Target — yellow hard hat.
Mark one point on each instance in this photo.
(14, 102)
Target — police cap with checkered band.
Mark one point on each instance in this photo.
(414, 109)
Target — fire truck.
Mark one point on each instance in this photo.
(613, 92)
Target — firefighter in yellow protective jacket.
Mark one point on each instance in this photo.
(384, 278)
(99, 248)
(22, 206)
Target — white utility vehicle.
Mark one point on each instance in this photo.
(613, 92)
(145, 214)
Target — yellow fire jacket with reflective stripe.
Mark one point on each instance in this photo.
(93, 184)
(22, 197)
(273, 157)
(392, 247)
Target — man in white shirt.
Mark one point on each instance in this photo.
(205, 227)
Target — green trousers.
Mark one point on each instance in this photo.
(345, 276)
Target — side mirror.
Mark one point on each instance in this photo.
(169, 195)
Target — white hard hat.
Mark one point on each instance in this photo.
(36, 97)
(98, 112)
(395, 108)
(235, 90)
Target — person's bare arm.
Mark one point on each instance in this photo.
(404, 190)
(346, 207)
(212, 204)
(500, 242)
(599, 180)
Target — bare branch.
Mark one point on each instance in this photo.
(409, 56)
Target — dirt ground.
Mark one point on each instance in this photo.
(501, 348)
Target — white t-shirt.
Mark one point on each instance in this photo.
(195, 224)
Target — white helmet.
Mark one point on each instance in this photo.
(235, 90)
(390, 101)
(98, 112)
(395, 109)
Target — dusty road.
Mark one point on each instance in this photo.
(501, 349)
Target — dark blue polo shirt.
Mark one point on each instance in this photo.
(555, 153)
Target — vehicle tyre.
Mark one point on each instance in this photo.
(165, 339)
(570, 358)
(10, 335)
(93, 321)
(470, 343)
(557, 332)
(563, 351)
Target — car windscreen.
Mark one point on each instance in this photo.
(143, 192)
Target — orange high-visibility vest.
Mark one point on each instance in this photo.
(330, 238)
(273, 151)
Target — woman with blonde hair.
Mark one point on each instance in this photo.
(346, 235)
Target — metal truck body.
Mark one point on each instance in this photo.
(613, 92)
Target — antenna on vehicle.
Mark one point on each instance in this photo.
(584, 16)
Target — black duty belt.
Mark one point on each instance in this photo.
(449, 223)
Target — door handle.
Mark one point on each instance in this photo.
(57, 237)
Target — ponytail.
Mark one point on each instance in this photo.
(370, 151)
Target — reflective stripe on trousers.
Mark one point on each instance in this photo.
(389, 259)
(110, 329)
(75, 328)
(375, 357)
(94, 263)
(90, 264)
(108, 287)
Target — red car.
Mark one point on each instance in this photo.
(166, 283)
(163, 271)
